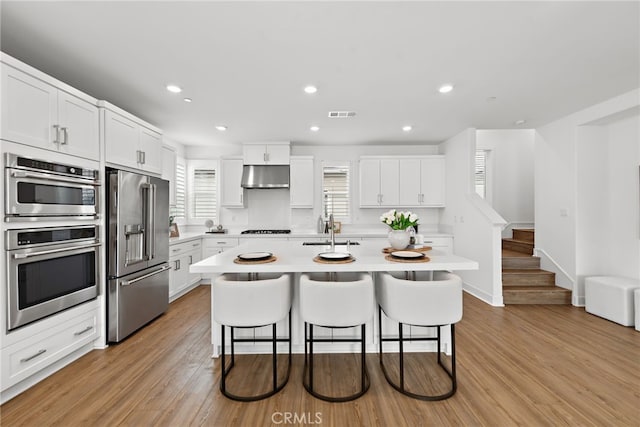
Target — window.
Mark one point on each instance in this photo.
(202, 190)
(335, 191)
(481, 173)
(179, 209)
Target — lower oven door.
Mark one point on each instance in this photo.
(42, 282)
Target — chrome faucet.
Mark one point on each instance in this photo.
(332, 234)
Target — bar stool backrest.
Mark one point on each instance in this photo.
(240, 302)
(421, 302)
(347, 301)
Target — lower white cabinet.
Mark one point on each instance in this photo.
(182, 255)
(213, 245)
(37, 352)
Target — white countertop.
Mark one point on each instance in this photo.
(295, 234)
(293, 257)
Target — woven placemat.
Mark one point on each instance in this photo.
(410, 260)
(339, 261)
(260, 261)
(389, 250)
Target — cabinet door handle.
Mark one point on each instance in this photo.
(84, 331)
(241, 196)
(144, 157)
(381, 196)
(56, 139)
(65, 134)
(26, 359)
(190, 259)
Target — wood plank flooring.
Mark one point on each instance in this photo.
(518, 365)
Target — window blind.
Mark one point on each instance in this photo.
(335, 190)
(481, 173)
(204, 198)
(179, 209)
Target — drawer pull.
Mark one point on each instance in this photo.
(175, 250)
(85, 330)
(195, 245)
(26, 359)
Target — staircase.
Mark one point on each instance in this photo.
(523, 282)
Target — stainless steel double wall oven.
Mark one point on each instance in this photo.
(52, 268)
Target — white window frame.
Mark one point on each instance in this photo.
(488, 175)
(192, 165)
(180, 161)
(340, 164)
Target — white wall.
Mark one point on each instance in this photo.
(510, 170)
(586, 197)
(474, 224)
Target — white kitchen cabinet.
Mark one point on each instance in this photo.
(42, 349)
(214, 244)
(130, 142)
(169, 159)
(301, 189)
(379, 181)
(232, 191)
(182, 255)
(432, 181)
(422, 182)
(40, 114)
(266, 153)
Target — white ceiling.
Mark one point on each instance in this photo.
(245, 63)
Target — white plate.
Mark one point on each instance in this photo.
(254, 256)
(407, 254)
(334, 255)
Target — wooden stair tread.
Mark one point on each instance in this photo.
(506, 253)
(537, 271)
(535, 295)
(508, 239)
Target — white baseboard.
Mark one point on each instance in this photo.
(494, 300)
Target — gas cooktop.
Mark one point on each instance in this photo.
(266, 232)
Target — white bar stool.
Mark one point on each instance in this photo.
(335, 300)
(436, 303)
(249, 302)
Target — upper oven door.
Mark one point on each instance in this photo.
(31, 193)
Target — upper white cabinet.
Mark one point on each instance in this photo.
(379, 181)
(47, 114)
(402, 182)
(422, 182)
(169, 159)
(232, 192)
(301, 182)
(131, 142)
(275, 153)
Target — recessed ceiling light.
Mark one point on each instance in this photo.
(174, 88)
(520, 122)
(188, 100)
(445, 88)
(310, 89)
(407, 128)
(314, 128)
(221, 128)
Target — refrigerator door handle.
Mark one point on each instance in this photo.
(146, 276)
(149, 221)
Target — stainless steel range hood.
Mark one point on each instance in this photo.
(265, 176)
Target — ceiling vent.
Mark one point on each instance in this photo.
(341, 114)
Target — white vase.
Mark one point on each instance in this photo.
(399, 239)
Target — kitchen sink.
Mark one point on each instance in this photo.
(327, 243)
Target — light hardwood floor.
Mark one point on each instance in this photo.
(518, 365)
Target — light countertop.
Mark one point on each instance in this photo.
(293, 257)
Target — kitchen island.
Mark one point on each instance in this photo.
(293, 257)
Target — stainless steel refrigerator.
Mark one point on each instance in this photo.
(137, 252)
